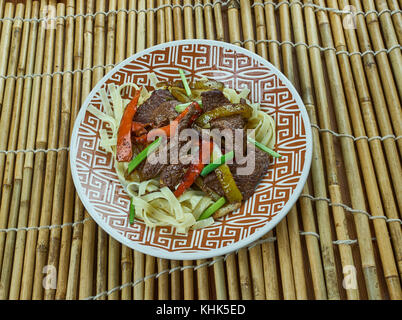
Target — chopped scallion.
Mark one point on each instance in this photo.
(212, 166)
(143, 155)
(132, 212)
(185, 83)
(181, 107)
(264, 148)
(212, 208)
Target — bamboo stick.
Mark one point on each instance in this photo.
(247, 26)
(396, 18)
(131, 27)
(163, 279)
(141, 25)
(41, 97)
(149, 282)
(220, 32)
(19, 112)
(86, 269)
(49, 138)
(4, 53)
(360, 220)
(219, 277)
(297, 255)
(177, 20)
(5, 123)
(363, 147)
(139, 273)
(23, 175)
(209, 22)
(233, 21)
(150, 24)
(175, 287)
(168, 13)
(2, 3)
(188, 20)
(99, 59)
(202, 280)
(188, 280)
(160, 23)
(199, 20)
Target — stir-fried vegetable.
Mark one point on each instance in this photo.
(224, 111)
(180, 94)
(264, 148)
(124, 151)
(229, 187)
(132, 212)
(230, 207)
(208, 85)
(143, 155)
(185, 83)
(212, 166)
(138, 128)
(195, 168)
(212, 208)
(171, 128)
(183, 106)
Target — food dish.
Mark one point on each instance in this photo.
(185, 152)
(107, 200)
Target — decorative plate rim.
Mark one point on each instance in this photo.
(194, 255)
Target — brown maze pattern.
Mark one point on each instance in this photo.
(109, 200)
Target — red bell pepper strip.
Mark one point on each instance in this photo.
(124, 151)
(138, 128)
(195, 168)
(171, 128)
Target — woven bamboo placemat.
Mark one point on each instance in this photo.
(342, 240)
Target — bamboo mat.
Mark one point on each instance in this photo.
(342, 240)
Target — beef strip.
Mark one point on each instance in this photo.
(215, 98)
(212, 99)
(245, 183)
(172, 175)
(158, 109)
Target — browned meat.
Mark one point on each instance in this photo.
(158, 109)
(172, 175)
(165, 113)
(215, 98)
(212, 99)
(232, 122)
(185, 122)
(245, 183)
